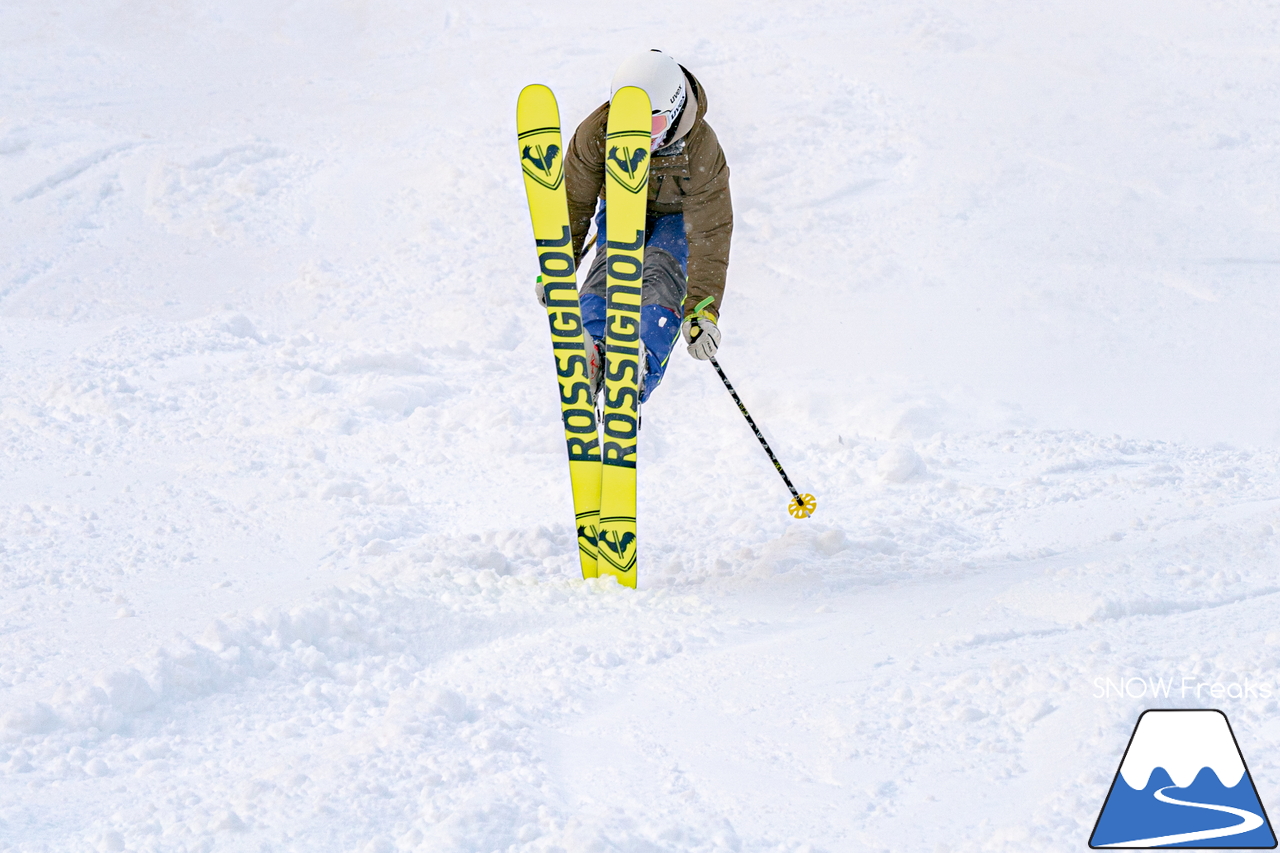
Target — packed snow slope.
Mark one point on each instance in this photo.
(286, 557)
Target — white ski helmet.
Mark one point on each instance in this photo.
(663, 79)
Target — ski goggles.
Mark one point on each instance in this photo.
(661, 121)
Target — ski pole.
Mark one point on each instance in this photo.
(803, 505)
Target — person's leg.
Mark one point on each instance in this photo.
(666, 257)
(667, 233)
(591, 299)
(662, 292)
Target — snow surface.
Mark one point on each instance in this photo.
(286, 557)
(1183, 743)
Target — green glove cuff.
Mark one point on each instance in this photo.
(700, 311)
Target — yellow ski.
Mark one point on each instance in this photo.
(626, 193)
(541, 156)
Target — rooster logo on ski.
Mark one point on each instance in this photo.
(626, 163)
(540, 157)
(629, 166)
(544, 160)
(619, 549)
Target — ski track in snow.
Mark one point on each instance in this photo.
(285, 560)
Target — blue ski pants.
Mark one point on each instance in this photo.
(666, 265)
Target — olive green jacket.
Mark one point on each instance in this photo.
(693, 179)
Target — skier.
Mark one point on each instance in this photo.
(687, 229)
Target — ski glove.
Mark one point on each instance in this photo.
(704, 338)
(540, 289)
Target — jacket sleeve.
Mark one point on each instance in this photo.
(708, 225)
(584, 174)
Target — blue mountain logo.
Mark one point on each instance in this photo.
(1183, 783)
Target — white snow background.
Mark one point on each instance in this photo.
(286, 557)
